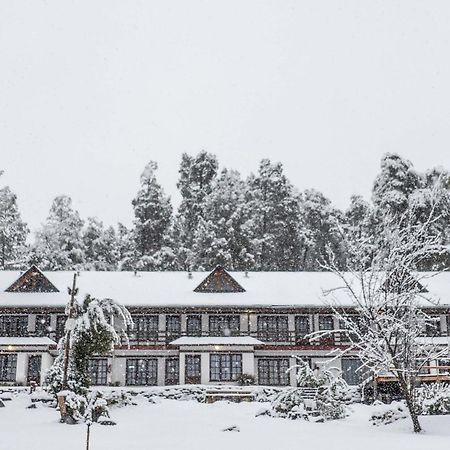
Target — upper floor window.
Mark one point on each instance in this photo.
(145, 328)
(273, 328)
(173, 327)
(326, 323)
(224, 325)
(433, 326)
(42, 327)
(13, 325)
(60, 326)
(194, 325)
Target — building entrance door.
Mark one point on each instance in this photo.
(34, 369)
(193, 369)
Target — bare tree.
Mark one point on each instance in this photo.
(381, 305)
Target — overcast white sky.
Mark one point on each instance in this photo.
(92, 90)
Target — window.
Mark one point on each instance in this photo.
(42, 325)
(172, 371)
(225, 366)
(273, 328)
(193, 369)
(326, 323)
(301, 328)
(13, 325)
(142, 372)
(433, 326)
(224, 325)
(98, 371)
(60, 326)
(145, 328)
(8, 364)
(273, 372)
(350, 371)
(194, 325)
(173, 328)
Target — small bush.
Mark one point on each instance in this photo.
(386, 414)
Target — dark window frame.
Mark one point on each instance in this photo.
(8, 367)
(225, 366)
(141, 371)
(14, 325)
(219, 323)
(98, 371)
(273, 371)
(273, 328)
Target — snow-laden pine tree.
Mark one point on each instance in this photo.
(320, 231)
(153, 215)
(219, 238)
(272, 219)
(59, 244)
(380, 305)
(195, 183)
(13, 231)
(95, 326)
(394, 184)
(100, 246)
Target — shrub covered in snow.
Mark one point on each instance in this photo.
(320, 394)
(386, 414)
(434, 399)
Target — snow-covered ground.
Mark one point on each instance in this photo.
(188, 425)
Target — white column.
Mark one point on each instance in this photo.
(248, 363)
(21, 370)
(118, 370)
(244, 323)
(293, 372)
(205, 324)
(182, 368)
(46, 363)
(253, 325)
(204, 367)
(31, 323)
(161, 371)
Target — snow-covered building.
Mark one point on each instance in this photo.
(188, 328)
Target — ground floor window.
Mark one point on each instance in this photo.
(142, 372)
(350, 372)
(225, 366)
(8, 365)
(273, 371)
(172, 371)
(98, 371)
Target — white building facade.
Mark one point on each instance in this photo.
(188, 329)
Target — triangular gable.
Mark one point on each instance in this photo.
(33, 280)
(219, 281)
(401, 281)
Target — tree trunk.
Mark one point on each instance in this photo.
(88, 435)
(410, 403)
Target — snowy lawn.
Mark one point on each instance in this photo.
(187, 425)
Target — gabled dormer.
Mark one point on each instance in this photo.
(219, 281)
(33, 280)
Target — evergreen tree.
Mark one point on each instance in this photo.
(321, 231)
(394, 185)
(13, 231)
(153, 213)
(59, 244)
(100, 246)
(219, 238)
(195, 183)
(272, 219)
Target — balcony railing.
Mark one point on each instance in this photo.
(282, 338)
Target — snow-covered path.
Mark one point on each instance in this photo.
(189, 425)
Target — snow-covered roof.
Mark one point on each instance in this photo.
(171, 289)
(220, 340)
(26, 341)
(436, 340)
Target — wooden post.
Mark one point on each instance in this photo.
(88, 435)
